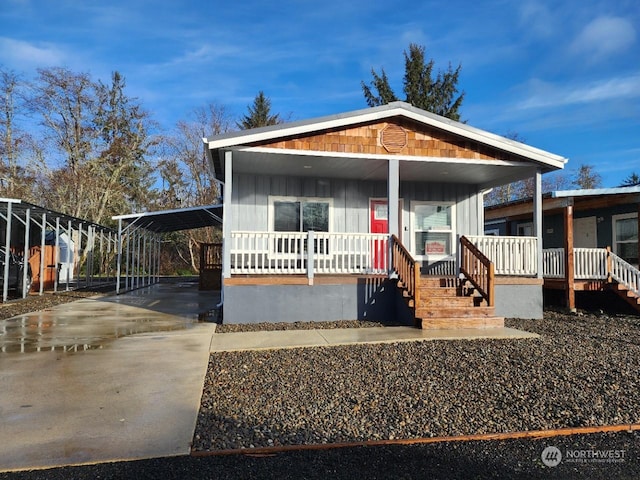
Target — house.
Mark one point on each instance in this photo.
(590, 239)
(308, 234)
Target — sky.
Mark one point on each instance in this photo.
(563, 75)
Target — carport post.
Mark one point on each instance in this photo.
(89, 264)
(118, 255)
(73, 255)
(7, 253)
(126, 263)
(138, 260)
(57, 256)
(25, 252)
(43, 232)
(79, 250)
(158, 250)
(144, 259)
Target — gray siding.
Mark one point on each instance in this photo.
(350, 200)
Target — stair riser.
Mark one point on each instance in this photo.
(446, 302)
(444, 323)
(463, 312)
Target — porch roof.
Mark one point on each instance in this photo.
(252, 156)
(582, 199)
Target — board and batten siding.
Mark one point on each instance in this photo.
(350, 199)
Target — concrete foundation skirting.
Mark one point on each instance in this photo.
(366, 299)
(519, 301)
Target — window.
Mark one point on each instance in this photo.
(291, 214)
(300, 215)
(625, 237)
(525, 229)
(432, 226)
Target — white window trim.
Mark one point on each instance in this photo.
(272, 199)
(412, 230)
(520, 227)
(614, 219)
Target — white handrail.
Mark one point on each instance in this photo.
(515, 256)
(625, 274)
(289, 253)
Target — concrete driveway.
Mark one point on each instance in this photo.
(102, 379)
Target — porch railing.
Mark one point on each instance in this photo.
(478, 269)
(553, 263)
(588, 263)
(290, 253)
(624, 273)
(516, 256)
(407, 268)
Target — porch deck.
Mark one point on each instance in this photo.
(590, 269)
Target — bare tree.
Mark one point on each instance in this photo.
(187, 176)
(17, 177)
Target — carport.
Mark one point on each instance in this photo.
(139, 236)
(31, 231)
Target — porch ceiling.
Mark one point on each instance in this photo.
(437, 170)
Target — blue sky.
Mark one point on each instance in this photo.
(564, 75)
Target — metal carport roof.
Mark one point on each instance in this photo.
(176, 219)
(142, 254)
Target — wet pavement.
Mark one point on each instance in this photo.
(104, 378)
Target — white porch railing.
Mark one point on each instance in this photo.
(289, 253)
(588, 263)
(625, 274)
(553, 262)
(515, 256)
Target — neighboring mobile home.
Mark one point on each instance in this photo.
(308, 236)
(590, 239)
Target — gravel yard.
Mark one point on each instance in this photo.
(582, 371)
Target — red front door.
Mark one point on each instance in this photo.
(379, 224)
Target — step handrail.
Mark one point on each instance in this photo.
(407, 269)
(478, 269)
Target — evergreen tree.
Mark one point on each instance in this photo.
(259, 114)
(437, 94)
(632, 180)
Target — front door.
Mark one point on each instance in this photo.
(379, 223)
(585, 232)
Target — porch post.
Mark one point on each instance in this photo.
(393, 198)
(569, 271)
(226, 215)
(537, 219)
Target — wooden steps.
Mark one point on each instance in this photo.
(446, 302)
(626, 294)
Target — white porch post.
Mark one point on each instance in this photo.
(537, 217)
(393, 199)
(226, 215)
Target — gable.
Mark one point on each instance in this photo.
(394, 136)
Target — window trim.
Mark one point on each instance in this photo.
(412, 230)
(614, 240)
(274, 198)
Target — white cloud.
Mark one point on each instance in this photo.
(536, 19)
(603, 37)
(545, 94)
(25, 54)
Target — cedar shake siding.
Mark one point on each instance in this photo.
(386, 138)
